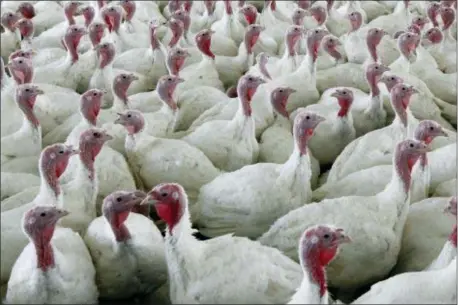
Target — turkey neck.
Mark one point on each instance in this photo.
(72, 50)
(245, 56)
(313, 284)
(69, 16)
(116, 221)
(308, 65)
(44, 250)
(178, 241)
(120, 101)
(403, 121)
(243, 122)
(398, 189)
(447, 254)
(50, 190)
(375, 104)
(422, 136)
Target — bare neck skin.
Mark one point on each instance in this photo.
(44, 250)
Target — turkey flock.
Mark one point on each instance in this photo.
(237, 152)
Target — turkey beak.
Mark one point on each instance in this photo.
(443, 133)
(73, 151)
(343, 238)
(414, 90)
(148, 200)
(335, 94)
(62, 213)
(119, 120)
(179, 80)
(134, 77)
(40, 92)
(33, 52)
(320, 118)
(107, 137)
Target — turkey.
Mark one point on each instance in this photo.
(247, 201)
(55, 267)
(256, 261)
(127, 249)
(317, 248)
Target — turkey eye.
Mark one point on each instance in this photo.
(164, 194)
(392, 78)
(96, 134)
(431, 128)
(94, 94)
(411, 145)
(20, 61)
(403, 88)
(326, 236)
(61, 152)
(97, 25)
(43, 214)
(316, 31)
(119, 199)
(307, 117)
(250, 78)
(376, 68)
(27, 90)
(169, 79)
(129, 115)
(344, 93)
(124, 77)
(281, 91)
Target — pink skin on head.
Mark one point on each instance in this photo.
(318, 246)
(88, 14)
(406, 154)
(27, 10)
(319, 13)
(246, 88)
(413, 28)
(187, 5)
(96, 30)
(390, 81)
(448, 17)
(293, 34)
(314, 38)
(154, 41)
(91, 102)
(20, 53)
(279, 99)
(448, 3)
(270, 3)
(432, 11)
(203, 41)
(250, 13)
(166, 88)
(210, 6)
(106, 53)
(228, 7)
(252, 33)
(356, 20)
(129, 7)
(121, 84)
(345, 99)
(373, 39)
(9, 21)
(177, 28)
(373, 73)
(39, 224)
(26, 28)
(116, 208)
(112, 16)
(21, 70)
(169, 202)
(53, 163)
(400, 99)
(262, 59)
(90, 145)
(132, 120)
(183, 16)
(173, 5)
(304, 4)
(425, 132)
(434, 35)
(330, 44)
(176, 59)
(298, 16)
(305, 123)
(407, 43)
(420, 21)
(72, 39)
(26, 96)
(70, 10)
